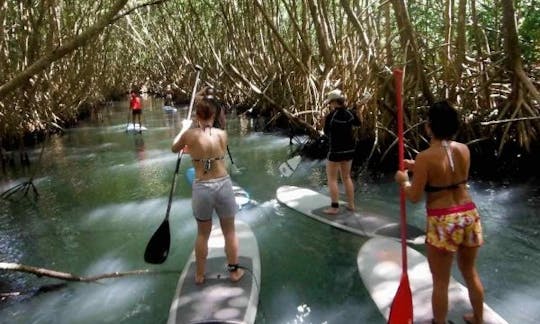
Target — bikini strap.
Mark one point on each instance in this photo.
(448, 150)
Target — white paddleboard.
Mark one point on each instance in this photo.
(135, 127)
(170, 109)
(219, 300)
(287, 168)
(364, 223)
(379, 264)
(240, 195)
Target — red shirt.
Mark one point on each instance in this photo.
(135, 103)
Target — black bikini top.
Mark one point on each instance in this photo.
(429, 188)
(208, 162)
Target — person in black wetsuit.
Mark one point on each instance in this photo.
(338, 126)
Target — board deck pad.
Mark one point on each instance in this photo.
(364, 223)
(379, 265)
(219, 300)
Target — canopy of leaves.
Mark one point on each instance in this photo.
(280, 56)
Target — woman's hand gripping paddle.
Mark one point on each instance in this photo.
(401, 310)
(158, 247)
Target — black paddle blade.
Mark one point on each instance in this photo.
(159, 244)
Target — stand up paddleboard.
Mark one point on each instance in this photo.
(312, 204)
(135, 128)
(219, 300)
(169, 109)
(379, 264)
(287, 168)
(240, 195)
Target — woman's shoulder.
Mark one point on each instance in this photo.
(219, 131)
(462, 147)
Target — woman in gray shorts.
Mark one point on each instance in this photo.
(212, 188)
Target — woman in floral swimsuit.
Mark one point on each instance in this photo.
(453, 223)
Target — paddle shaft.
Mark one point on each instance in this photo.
(230, 156)
(173, 187)
(398, 75)
(181, 153)
(198, 68)
(401, 310)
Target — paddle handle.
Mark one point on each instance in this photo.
(198, 68)
(398, 77)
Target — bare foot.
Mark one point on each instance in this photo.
(469, 318)
(199, 280)
(236, 275)
(352, 209)
(331, 211)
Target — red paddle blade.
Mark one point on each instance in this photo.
(401, 311)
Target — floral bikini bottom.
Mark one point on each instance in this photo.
(452, 227)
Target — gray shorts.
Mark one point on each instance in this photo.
(214, 194)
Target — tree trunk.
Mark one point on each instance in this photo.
(481, 44)
(522, 86)
(322, 35)
(410, 45)
(61, 51)
(446, 59)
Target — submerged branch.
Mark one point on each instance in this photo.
(40, 272)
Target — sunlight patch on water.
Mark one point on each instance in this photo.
(106, 264)
(522, 303)
(160, 160)
(134, 214)
(85, 302)
(267, 141)
(115, 296)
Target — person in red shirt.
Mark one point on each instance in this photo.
(136, 108)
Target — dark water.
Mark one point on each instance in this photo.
(103, 192)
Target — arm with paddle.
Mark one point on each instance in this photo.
(158, 247)
(401, 310)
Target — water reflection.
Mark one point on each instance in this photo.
(139, 148)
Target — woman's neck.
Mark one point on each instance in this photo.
(206, 124)
(435, 142)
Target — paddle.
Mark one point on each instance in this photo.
(157, 248)
(401, 310)
(234, 168)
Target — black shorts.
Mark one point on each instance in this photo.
(340, 157)
(135, 112)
